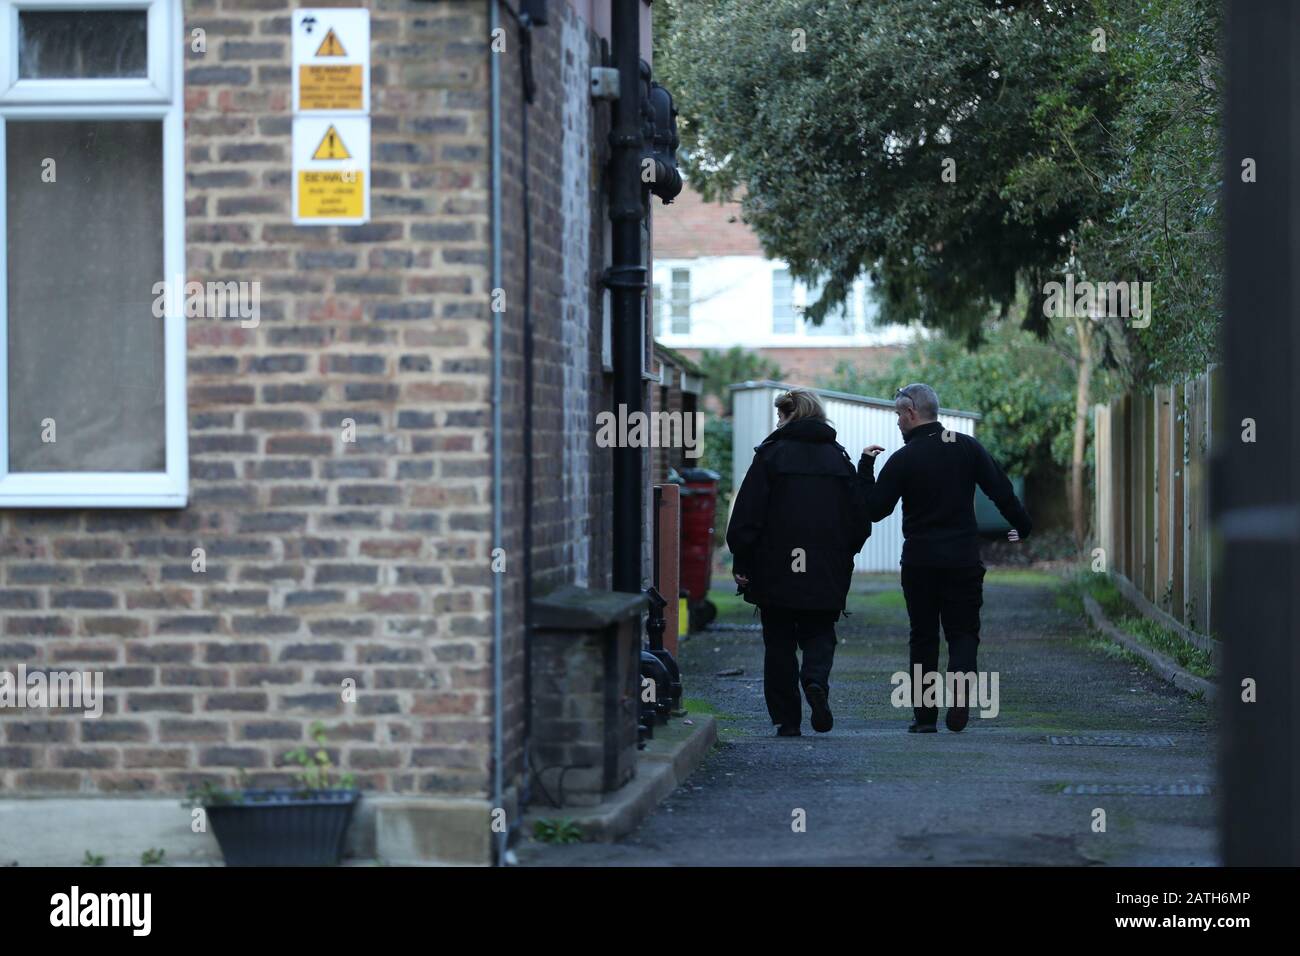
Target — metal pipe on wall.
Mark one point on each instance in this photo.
(498, 506)
(627, 281)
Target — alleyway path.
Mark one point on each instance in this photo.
(1000, 793)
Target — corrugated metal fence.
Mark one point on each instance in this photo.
(1153, 496)
(859, 421)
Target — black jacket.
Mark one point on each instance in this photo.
(936, 480)
(798, 520)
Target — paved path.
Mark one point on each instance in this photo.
(1000, 793)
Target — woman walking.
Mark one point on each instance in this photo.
(797, 522)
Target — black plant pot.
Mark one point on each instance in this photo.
(283, 827)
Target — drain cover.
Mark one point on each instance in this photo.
(1140, 789)
(1115, 740)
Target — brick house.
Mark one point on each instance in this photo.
(239, 516)
(716, 288)
(678, 389)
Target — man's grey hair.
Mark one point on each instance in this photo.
(921, 397)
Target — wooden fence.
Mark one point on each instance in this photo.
(1153, 498)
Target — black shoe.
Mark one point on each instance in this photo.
(822, 720)
(788, 730)
(916, 727)
(956, 719)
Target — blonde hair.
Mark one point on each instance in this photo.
(800, 403)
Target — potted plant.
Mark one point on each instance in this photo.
(288, 826)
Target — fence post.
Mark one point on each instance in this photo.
(1102, 497)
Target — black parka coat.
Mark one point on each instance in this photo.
(799, 519)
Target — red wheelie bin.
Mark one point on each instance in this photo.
(699, 494)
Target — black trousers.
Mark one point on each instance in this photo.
(784, 630)
(951, 597)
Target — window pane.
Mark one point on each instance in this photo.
(85, 349)
(57, 44)
(681, 305)
(870, 310)
(836, 322)
(782, 302)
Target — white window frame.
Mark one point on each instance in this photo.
(159, 97)
(155, 87)
(673, 303)
(796, 311)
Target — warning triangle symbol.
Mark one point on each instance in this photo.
(331, 146)
(331, 46)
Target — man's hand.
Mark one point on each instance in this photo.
(871, 451)
(1013, 535)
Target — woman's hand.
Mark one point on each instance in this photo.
(742, 581)
(871, 451)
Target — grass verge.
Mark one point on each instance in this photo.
(698, 706)
(1127, 618)
(1023, 577)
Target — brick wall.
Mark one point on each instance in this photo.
(671, 399)
(571, 491)
(584, 731)
(691, 228)
(330, 560)
(326, 560)
(816, 366)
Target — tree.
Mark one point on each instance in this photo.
(736, 364)
(1165, 178)
(960, 152)
(1022, 387)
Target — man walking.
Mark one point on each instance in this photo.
(935, 473)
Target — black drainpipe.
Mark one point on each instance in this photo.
(627, 282)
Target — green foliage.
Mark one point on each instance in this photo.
(841, 148)
(152, 857)
(317, 773)
(1023, 388)
(317, 768)
(560, 831)
(1067, 158)
(1155, 170)
(92, 859)
(1124, 616)
(1161, 639)
(718, 435)
(1166, 223)
(1102, 590)
(736, 364)
(210, 795)
(1018, 577)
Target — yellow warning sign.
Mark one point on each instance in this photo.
(330, 87)
(331, 195)
(331, 46)
(331, 147)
